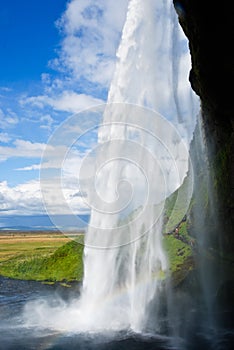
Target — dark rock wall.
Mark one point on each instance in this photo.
(209, 28)
(210, 31)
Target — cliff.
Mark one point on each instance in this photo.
(209, 29)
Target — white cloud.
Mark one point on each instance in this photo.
(8, 119)
(26, 199)
(45, 78)
(46, 122)
(5, 89)
(73, 102)
(4, 137)
(66, 158)
(30, 167)
(21, 199)
(53, 159)
(91, 30)
(22, 148)
(53, 163)
(68, 101)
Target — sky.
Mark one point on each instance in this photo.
(57, 58)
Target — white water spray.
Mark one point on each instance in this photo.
(141, 158)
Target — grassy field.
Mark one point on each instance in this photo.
(28, 244)
(51, 257)
(42, 256)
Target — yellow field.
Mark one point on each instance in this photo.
(13, 244)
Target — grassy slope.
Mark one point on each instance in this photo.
(45, 263)
(177, 205)
(65, 263)
(180, 254)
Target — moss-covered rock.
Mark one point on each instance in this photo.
(179, 247)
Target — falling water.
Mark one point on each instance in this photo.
(141, 159)
(206, 229)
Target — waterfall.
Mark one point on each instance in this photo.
(141, 159)
(206, 229)
(141, 162)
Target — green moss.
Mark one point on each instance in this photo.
(180, 258)
(177, 204)
(183, 231)
(177, 252)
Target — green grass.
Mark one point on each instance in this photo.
(177, 204)
(37, 260)
(180, 255)
(26, 245)
(177, 252)
(65, 264)
(51, 260)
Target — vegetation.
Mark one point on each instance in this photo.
(29, 244)
(56, 258)
(43, 260)
(177, 205)
(179, 249)
(50, 260)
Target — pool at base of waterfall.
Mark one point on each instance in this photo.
(16, 335)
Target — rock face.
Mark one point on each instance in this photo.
(210, 31)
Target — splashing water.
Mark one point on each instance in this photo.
(141, 158)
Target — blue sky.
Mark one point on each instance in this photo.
(57, 58)
(29, 38)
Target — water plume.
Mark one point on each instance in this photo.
(140, 159)
(143, 157)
